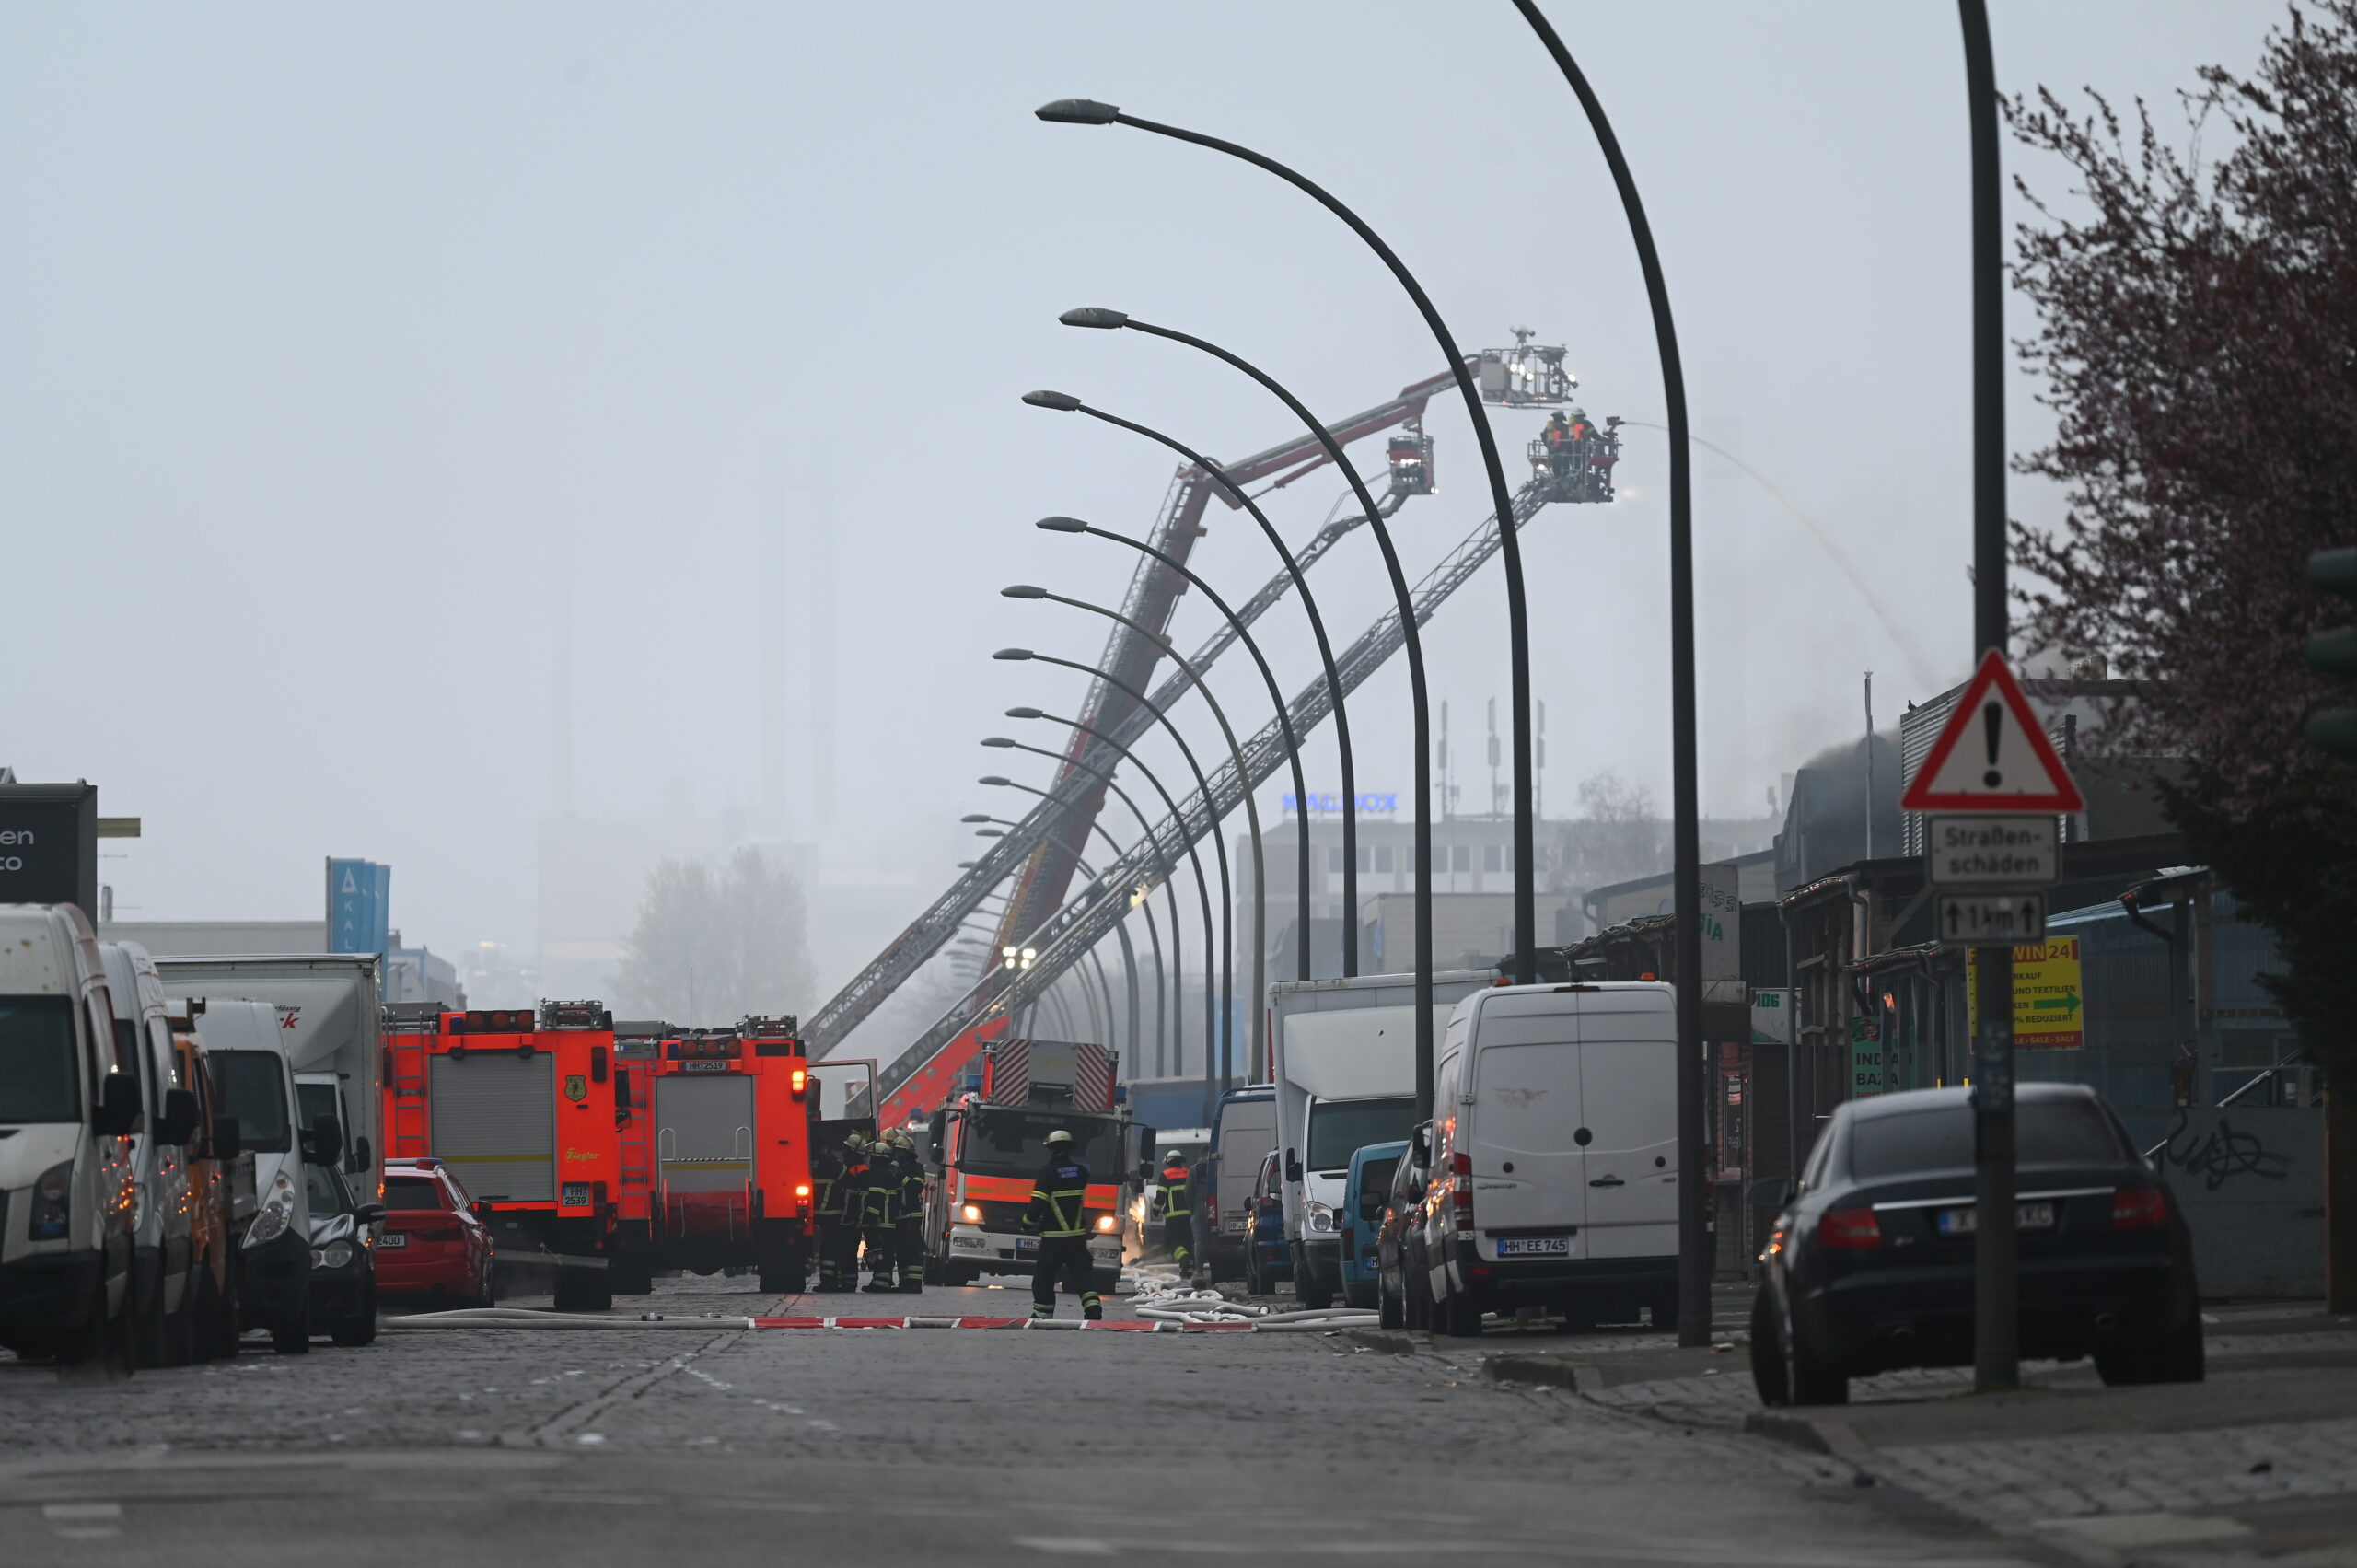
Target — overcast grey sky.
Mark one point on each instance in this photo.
(328, 330)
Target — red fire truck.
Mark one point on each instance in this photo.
(539, 1120)
(735, 1120)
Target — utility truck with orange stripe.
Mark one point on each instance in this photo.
(988, 1143)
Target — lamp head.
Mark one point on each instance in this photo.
(987, 833)
(1093, 316)
(994, 782)
(998, 740)
(1014, 655)
(1022, 590)
(1026, 713)
(975, 816)
(1061, 525)
(1063, 403)
(1077, 111)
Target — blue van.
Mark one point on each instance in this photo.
(1365, 1192)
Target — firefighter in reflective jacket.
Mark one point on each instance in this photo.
(908, 1217)
(1058, 1216)
(1172, 1208)
(842, 1191)
(880, 1214)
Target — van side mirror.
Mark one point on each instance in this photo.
(1423, 1146)
(1370, 1204)
(933, 1135)
(367, 1215)
(227, 1142)
(118, 1106)
(1293, 1165)
(323, 1144)
(362, 1158)
(481, 1208)
(177, 1127)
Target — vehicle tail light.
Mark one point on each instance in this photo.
(1460, 1189)
(1211, 1207)
(2134, 1208)
(800, 1082)
(1853, 1228)
(1350, 1247)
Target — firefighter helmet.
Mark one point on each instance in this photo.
(855, 1141)
(1173, 1157)
(1056, 1137)
(898, 1138)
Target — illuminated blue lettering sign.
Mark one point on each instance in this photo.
(1330, 801)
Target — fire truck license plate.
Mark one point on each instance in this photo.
(705, 1066)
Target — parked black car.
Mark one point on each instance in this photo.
(1401, 1297)
(1870, 1266)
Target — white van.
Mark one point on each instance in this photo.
(1344, 1062)
(68, 1188)
(164, 1295)
(253, 1081)
(1554, 1138)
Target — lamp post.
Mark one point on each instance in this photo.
(1153, 936)
(1411, 637)
(1066, 403)
(1084, 112)
(1225, 956)
(1694, 1244)
(1129, 957)
(1244, 788)
(1203, 883)
(1285, 725)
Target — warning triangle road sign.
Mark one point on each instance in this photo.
(1992, 755)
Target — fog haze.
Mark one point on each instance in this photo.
(358, 362)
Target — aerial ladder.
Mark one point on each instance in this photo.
(1527, 376)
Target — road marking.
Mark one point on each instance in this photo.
(83, 1521)
(1066, 1546)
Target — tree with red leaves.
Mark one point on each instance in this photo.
(2198, 340)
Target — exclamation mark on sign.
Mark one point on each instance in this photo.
(1992, 719)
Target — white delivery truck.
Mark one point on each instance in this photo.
(330, 1027)
(1553, 1178)
(68, 1178)
(1344, 1061)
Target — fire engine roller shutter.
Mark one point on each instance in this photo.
(703, 1136)
(495, 1119)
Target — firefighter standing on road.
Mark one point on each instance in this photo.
(879, 1213)
(840, 1179)
(1058, 1216)
(908, 1228)
(1173, 1209)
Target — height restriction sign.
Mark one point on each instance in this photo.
(1992, 754)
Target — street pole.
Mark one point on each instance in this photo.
(1251, 813)
(1169, 871)
(1412, 642)
(1334, 693)
(1284, 723)
(1694, 1240)
(1128, 955)
(1084, 112)
(1225, 950)
(1996, 1338)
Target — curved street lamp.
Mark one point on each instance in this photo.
(1129, 957)
(1086, 111)
(1412, 642)
(1244, 788)
(1694, 1245)
(1222, 953)
(1285, 725)
(1152, 933)
(1169, 893)
(1064, 403)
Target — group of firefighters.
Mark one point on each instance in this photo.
(871, 1194)
(871, 1190)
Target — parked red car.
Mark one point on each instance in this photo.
(433, 1243)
